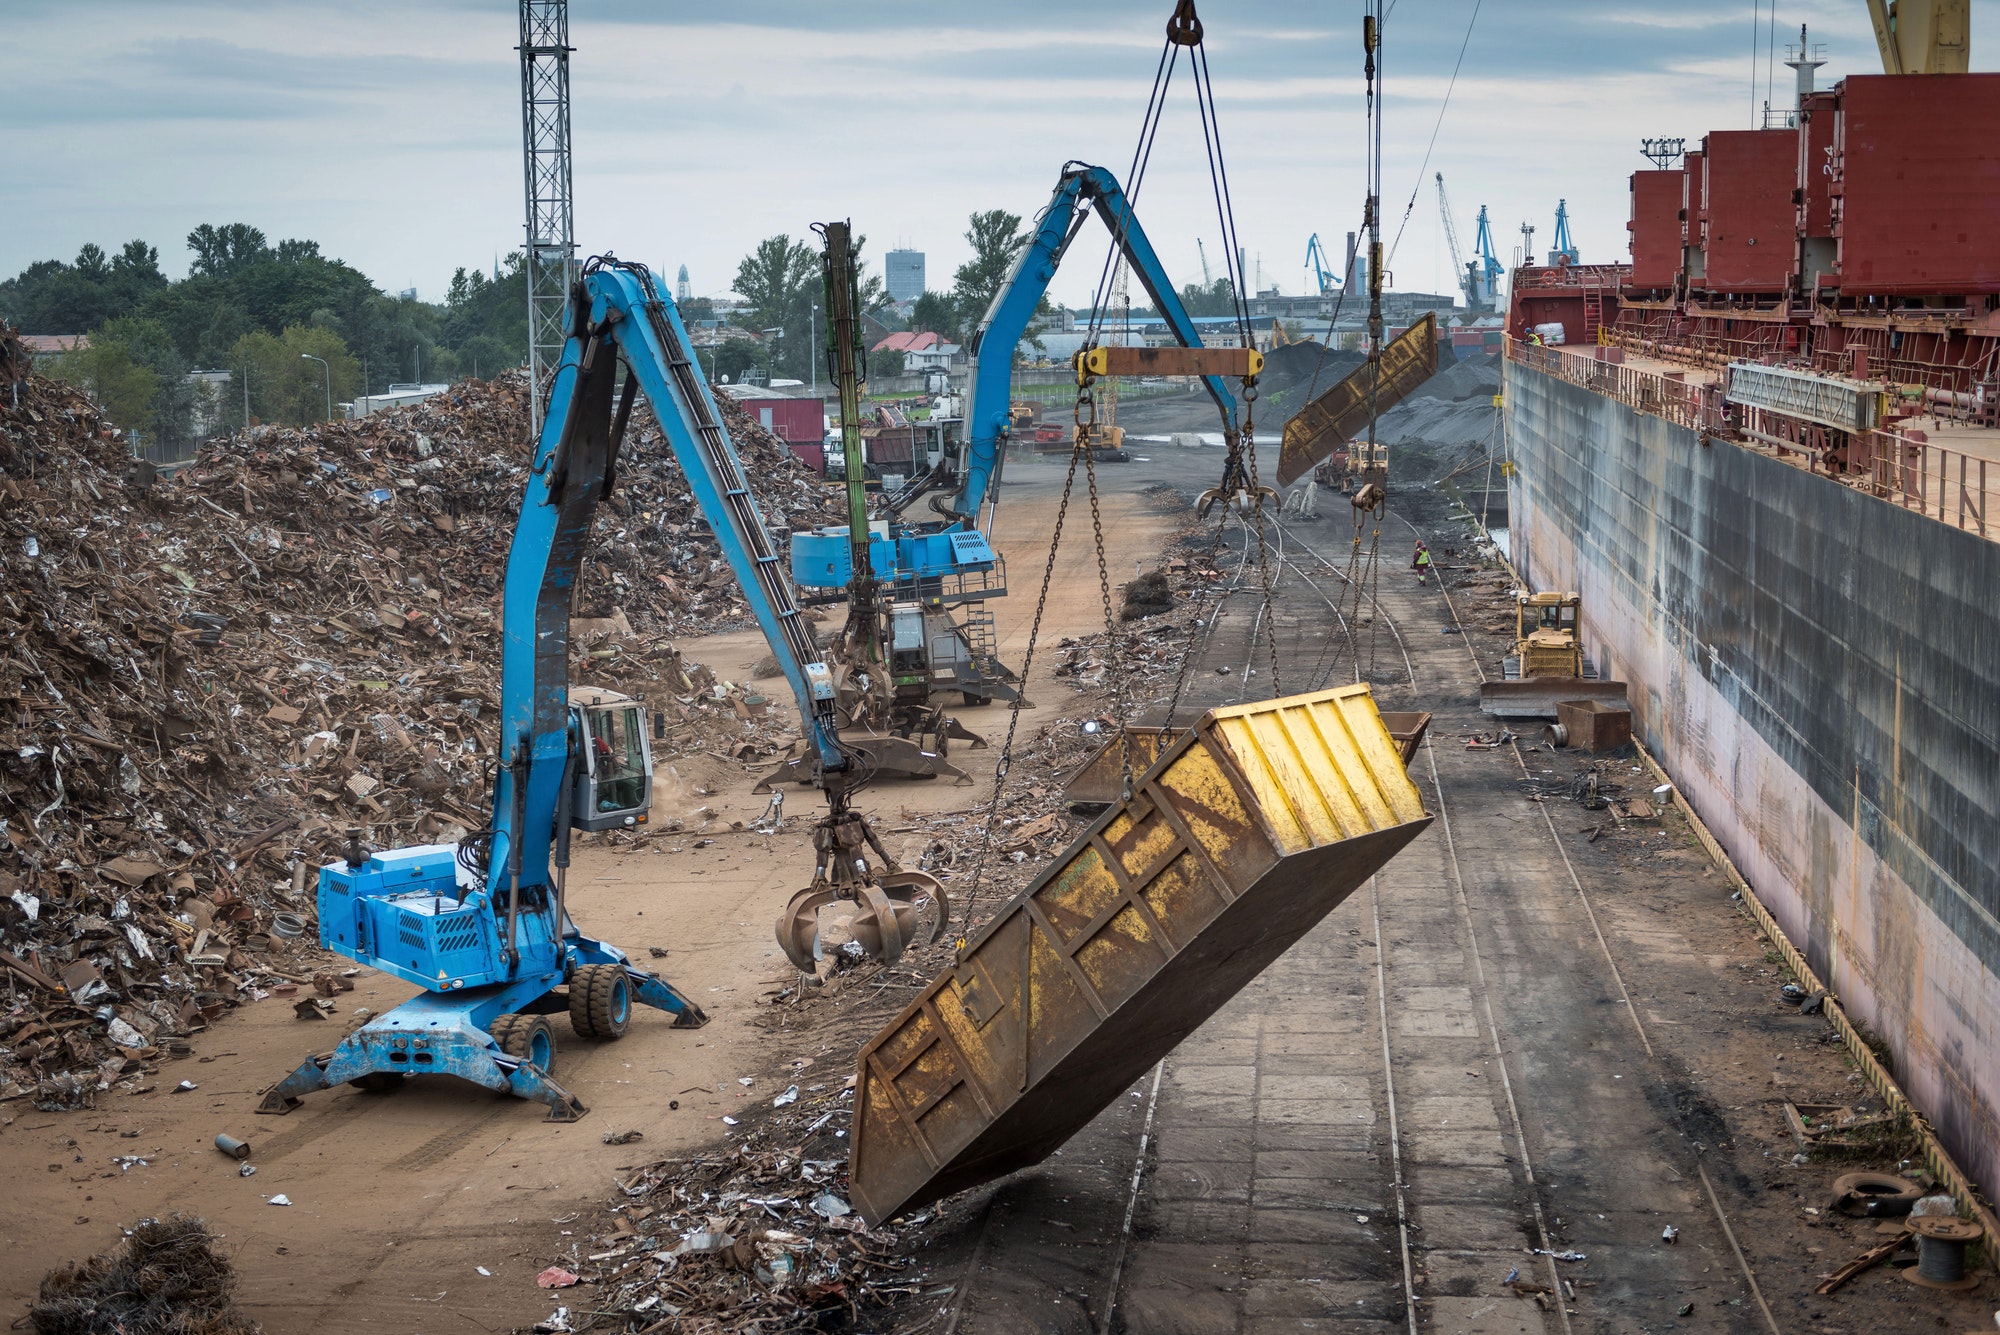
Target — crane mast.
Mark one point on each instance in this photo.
(1468, 279)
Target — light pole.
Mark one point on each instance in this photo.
(771, 362)
(308, 357)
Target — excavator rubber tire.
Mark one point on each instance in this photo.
(522, 1035)
(600, 1001)
(502, 1026)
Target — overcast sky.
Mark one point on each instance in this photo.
(391, 132)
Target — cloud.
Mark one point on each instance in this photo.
(390, 132)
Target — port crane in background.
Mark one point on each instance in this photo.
(1490, 268)
(1316, 260)
(1563, 251)
(1923, 36)
(1476, 275)
(1206, 281)
(948, 559)
(482, 927)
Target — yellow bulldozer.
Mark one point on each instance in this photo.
(1547, 666)
(1546, 641)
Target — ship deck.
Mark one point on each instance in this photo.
(1949, 470)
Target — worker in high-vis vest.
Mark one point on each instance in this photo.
(1421, 561)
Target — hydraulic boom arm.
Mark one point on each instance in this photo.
(999, 334)
(619, 315)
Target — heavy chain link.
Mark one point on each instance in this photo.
(1121, 693)
(1006, 760)
(1263, 541)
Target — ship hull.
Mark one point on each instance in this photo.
(1819, 670)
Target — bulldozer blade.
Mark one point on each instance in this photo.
(1250, 828)
(887, 758)
(1537, 697)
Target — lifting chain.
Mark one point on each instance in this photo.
(1006, 760)
(1256, 492)
(1121, 694)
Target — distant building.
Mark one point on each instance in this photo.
(903, 274)
(397, 396)
(681, 287)
(47, 349)
(922, 350)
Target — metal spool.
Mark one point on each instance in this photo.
(1941, 1245)
(1555, 734)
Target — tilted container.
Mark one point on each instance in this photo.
(1248, 830)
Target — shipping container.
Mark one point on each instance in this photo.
(1812, 192)
(1749, 243)
(1693, 182)
(812, 453)
(1916, 170)
(794, 421)
(1656, 229)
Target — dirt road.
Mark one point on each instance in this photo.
(433, 1208)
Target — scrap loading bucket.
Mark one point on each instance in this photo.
(1249, 829)
(1100, 780)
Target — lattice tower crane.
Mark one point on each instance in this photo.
(1468, 276)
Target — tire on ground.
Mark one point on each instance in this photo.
(519, 1039)
(600, 1001)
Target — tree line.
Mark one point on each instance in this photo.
(261, 313)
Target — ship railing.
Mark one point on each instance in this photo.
(1946, 484)
(1949, 485)
(1661, 395)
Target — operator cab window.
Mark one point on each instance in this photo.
(618, 757)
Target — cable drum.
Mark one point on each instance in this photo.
(1941, 1244)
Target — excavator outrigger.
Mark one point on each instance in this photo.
(483, 927)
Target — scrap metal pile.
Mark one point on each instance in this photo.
(755, 1235)
(207, 681)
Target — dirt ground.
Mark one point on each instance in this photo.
(433, 1208)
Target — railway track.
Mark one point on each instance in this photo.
(1257, 1177)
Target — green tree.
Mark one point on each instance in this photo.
(223, 252)
(123, 385)
(935, 313)
(735, 356)
(996, 238)
(1217, 298)
(284, 385)
(781, 279)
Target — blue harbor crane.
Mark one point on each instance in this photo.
(1490, 268)
(1316, 262)
(1564, 250)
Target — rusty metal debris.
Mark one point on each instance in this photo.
(209, 679)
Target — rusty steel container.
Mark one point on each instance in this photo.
(1751, 219)
(1250, 828)
(1655, 225)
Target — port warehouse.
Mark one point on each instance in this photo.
(1800, 586)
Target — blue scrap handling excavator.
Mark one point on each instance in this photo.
(482, 925)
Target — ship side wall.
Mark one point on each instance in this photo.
(1819, 670)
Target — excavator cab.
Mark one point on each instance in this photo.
(1546, 640)
(614, 771)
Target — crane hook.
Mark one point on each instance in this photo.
(1184, 28)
